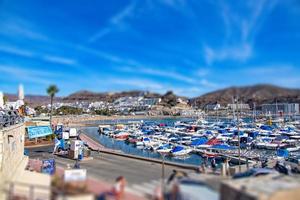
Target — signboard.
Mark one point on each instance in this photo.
(75, 175)
(65, 135)
(38, 131)
(48, 166)
(73, 132)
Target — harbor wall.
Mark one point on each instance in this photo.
(83, 119)
(14, 179)
(12, 159)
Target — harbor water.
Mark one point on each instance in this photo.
(108, 142)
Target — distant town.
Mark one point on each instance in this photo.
(147, 104)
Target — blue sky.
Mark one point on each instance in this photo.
(188, 46)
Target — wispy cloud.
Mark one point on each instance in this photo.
(159, 72)
(37, 55)
(12, 25)
(28, 75)
(59, 60)
(16, 51)
(115, 22)
(239, 53)
(269, 69)
(144, 84)
(240, 31)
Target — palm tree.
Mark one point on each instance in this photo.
(51, 91)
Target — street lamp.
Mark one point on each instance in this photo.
(163, 155)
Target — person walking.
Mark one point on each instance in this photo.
(77, 164)
(213, 164)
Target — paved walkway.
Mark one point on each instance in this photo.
(92, 144)
(94, 186)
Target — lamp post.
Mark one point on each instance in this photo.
(163, 174)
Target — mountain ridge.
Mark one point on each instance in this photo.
(258, 94)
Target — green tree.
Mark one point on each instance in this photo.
(5, 99)
(51, 91)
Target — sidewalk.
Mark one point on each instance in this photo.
(92, 144)
(94, 186)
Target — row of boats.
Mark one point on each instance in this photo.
(210, 139)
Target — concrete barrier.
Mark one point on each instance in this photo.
(153, 160)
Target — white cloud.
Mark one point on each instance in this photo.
(240, 31)
(16, 51)
(59, 60)
(269, 69)
(144, 84)
(239, 53)
(115, 22)
(158, 72)
(38, 55)
(100, 34)
(202, 72)
(28, 75)
(16, 26)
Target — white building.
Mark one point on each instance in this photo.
(240, 106)
(1, 100)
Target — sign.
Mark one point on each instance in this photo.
(38, 131)
(75, 175)
(73, 132)
(48, 166)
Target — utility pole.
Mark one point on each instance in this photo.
(163, 175)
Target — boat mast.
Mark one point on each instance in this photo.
(233, 108)
(254, 112)
(238, 129)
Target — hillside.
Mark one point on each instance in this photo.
(34, 100)
(259, 94)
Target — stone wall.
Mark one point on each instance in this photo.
(12, 159)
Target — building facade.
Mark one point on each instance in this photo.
(280, 108)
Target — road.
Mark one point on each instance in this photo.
(140, 175)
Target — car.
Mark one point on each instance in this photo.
(294, 162)
(254, 172)
(4, 118)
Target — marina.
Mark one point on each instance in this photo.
(196, 142)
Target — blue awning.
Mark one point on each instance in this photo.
(38, 131)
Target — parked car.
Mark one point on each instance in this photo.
(4, 119)
(294, 162)
(254, 172)
(9, 117)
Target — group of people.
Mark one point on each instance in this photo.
(117, 192)
(212, 164)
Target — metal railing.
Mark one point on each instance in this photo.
(15, 190)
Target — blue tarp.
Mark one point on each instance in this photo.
(208, 132)
(222, 131)
(199, 141)
(38, 131)
(236, 132)
(282, 153)
(178, 148)
(266, 127)
(282, 137)
(254, 134)
(223, 147)
(165, 146)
